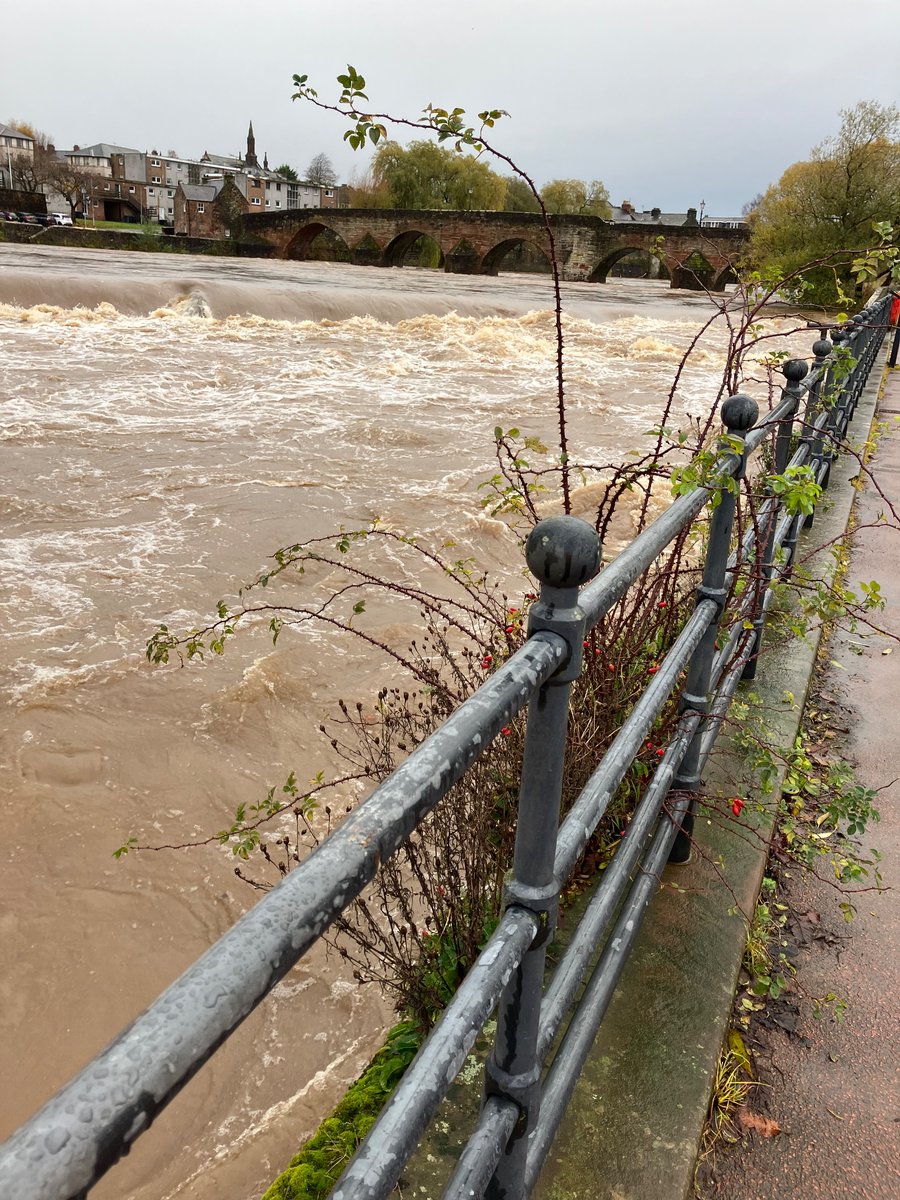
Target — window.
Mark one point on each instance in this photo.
(156, 179)
(131, 189)
(255, 200)
(329, 192)
(154, 162)
(201, 208)
(277, 187)
(277, 203)
(171, 193)
(106, 187)
(268, 203)
(151, 191)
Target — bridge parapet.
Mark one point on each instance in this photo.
(587, 248)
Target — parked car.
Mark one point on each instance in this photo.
(29, 218)
(9, 216)
(60, 219)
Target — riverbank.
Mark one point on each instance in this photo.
(831, 1089)
(634, 1124)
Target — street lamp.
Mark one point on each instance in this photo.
(702, 209)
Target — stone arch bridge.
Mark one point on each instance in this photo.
(476, 243)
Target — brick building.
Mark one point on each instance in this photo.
(209, 210)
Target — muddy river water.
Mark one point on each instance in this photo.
(167, 422)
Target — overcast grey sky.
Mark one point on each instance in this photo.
(669, 104)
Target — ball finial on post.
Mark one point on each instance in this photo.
(739, 413)
(563, 552)
(794, 370)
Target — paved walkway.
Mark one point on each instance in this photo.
(835, 1088)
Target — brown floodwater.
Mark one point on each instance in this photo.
(167, 423)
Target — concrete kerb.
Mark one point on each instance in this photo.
(634, 1124)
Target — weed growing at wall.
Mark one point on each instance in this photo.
(313, 1172)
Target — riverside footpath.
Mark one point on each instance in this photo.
(833, 1089)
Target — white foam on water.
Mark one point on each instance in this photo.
(157, 449)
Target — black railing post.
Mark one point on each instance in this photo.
(821, 350)
(838, 425)
(563, 553)
(794, 371)
(739, 415)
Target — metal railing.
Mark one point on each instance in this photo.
(84, 1129)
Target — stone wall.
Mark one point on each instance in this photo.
(84, 238)
(13, 231)
(26, 202)
(477, 242)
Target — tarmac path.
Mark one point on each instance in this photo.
(834, 1088)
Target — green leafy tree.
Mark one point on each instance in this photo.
(576, 196)
(423, 175)
(286, 171)
(519, 197)
(826, 208)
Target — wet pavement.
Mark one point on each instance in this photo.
(832, 1087)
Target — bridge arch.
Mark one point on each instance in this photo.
(302, 244)
(397, 250)
(493, 260)
(603, 268)
(695, 272)
(728, 275)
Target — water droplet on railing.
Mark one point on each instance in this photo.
(56, 1139)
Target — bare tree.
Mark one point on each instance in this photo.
(73, 183)
(30, 170)
(321, 171)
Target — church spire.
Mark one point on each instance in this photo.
(250, 159)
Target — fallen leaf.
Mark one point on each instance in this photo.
(764, 1126)
(739, 1050)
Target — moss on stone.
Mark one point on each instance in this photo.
(315, 1169)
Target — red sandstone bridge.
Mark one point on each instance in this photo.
(476, 243)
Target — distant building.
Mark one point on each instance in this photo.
(114, 187)
(724, 223)
(626, 211)
(13, 143)
(125, 184)
(209, 210)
